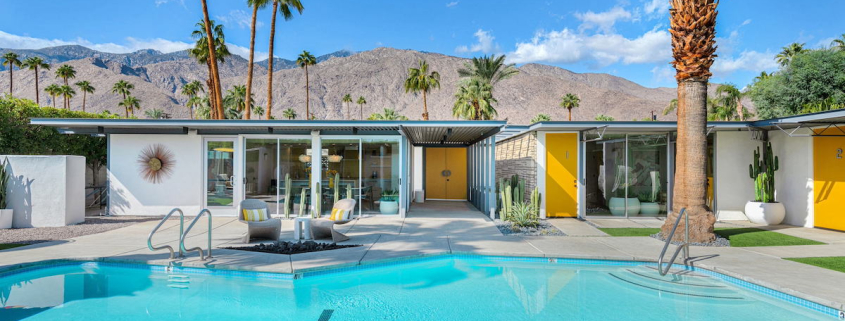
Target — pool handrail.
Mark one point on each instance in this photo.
(181, 227)
(185, 234)
(684, 246)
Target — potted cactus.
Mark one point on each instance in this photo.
(5, 213)
(764, 209)
(389, 202)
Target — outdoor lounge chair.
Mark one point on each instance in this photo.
(267, 229)
(324, 228)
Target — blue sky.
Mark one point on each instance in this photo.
(623, 38)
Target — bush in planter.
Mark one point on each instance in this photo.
(764, 209)
(389, 202)
(523, 214)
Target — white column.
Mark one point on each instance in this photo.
(316, 166)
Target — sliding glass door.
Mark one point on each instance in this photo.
(221, 182)
(267, 163)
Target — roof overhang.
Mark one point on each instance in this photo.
(420, 133)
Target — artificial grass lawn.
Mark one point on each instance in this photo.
(10, 246)
(630, 231)
(836, 263)
(739, 237)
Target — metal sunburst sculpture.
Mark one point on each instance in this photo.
(156, 163)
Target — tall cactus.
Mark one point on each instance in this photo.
(535, 201)
(336, 187)
(288, 194)
(348, 190)
(318, 202)
(762, 171)
(303, 209)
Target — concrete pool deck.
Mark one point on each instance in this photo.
(422, 234)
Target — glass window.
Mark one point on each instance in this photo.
(220, 173)
(647, 160)
(340, 172)
(261, 172)
(380, 175)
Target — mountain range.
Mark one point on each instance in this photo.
(378, 75)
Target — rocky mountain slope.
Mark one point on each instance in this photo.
(377, 75)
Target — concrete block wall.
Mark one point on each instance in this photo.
(518, 155)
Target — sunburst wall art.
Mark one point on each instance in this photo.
(156, 163)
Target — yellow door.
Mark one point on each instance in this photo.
(456, 182)
(561, 175)
(435, 164)
(829, 182)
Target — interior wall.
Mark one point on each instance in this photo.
(794, 179)
(734, 186)
(130, 194)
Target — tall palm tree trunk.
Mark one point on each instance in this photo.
(570, 113)
(11, 80)
(125, 108)
(307, 96)
(348, 115)
(54, 101)
(67, 101)
(270, 62)
(247, 102)
(212, 103)
(84, 99)
(212, 57)
(425, 107)
(37, 102)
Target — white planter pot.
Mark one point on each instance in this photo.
(617, 206)
(765, 213)
(6, 218)
(389, 207)
(649, 209)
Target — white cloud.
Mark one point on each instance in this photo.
(451, 4)
(11, 41)
(161, 2)
(485, 44)
(240, 18)
(747, 60)
(658, 7)
(603, 21)
(746, 22)
(566, 46)
(663, 74)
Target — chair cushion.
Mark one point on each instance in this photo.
(256, 215)
(337, 215)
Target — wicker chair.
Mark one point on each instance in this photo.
(324, 228)
(267, 229)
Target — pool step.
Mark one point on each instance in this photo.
(681, 283)
(177, 281)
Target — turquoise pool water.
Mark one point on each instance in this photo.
(442, 288)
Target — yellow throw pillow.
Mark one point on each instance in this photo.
(337, 214)
(256, 215)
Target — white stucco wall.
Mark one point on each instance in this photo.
(794, 180)
(734, 186)
(130, 194)
(46, 191)
(417, 167)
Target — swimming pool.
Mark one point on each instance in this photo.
(451, 287)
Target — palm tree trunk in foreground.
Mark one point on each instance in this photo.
(212, 57)
(270, 61)
(247, 103)
(690, 189)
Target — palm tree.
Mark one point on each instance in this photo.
(33, 63)
(838, 44)
(693, 33)
(66, 72)
(728, 96)
(255, 4)
(200, 52)
(192, 89)
(420, 80)
(570, 101)
(67, 92)
(130, 104)
(388, 114)
(361, 102)
(212, 59)
(347, 99)
(789, 52)
(11, 60)
(672, 106)
(154, 113)
(763, 76)
(474, 101)
(540, 118)
(86, 88)
(286, 7)
(124, 88)
(53, 90)
(491, 69)
(201, 105)
(603, 117)
(304, 60)
(289, 113)
(236, 98)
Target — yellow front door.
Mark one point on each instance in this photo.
(561, 175)
(446, 173)
(829, 182)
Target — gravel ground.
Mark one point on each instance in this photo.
(92, 225)
(719, 242)
(545, 229)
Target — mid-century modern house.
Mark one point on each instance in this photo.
(583, 169)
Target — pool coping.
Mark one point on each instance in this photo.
(830, 308)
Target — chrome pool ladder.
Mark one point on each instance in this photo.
(170, 248)
(185, 234)
(684, 246)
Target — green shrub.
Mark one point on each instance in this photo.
(523, 214)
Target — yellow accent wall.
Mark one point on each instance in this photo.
(829, 182)
(561, 175)
(453, 186)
